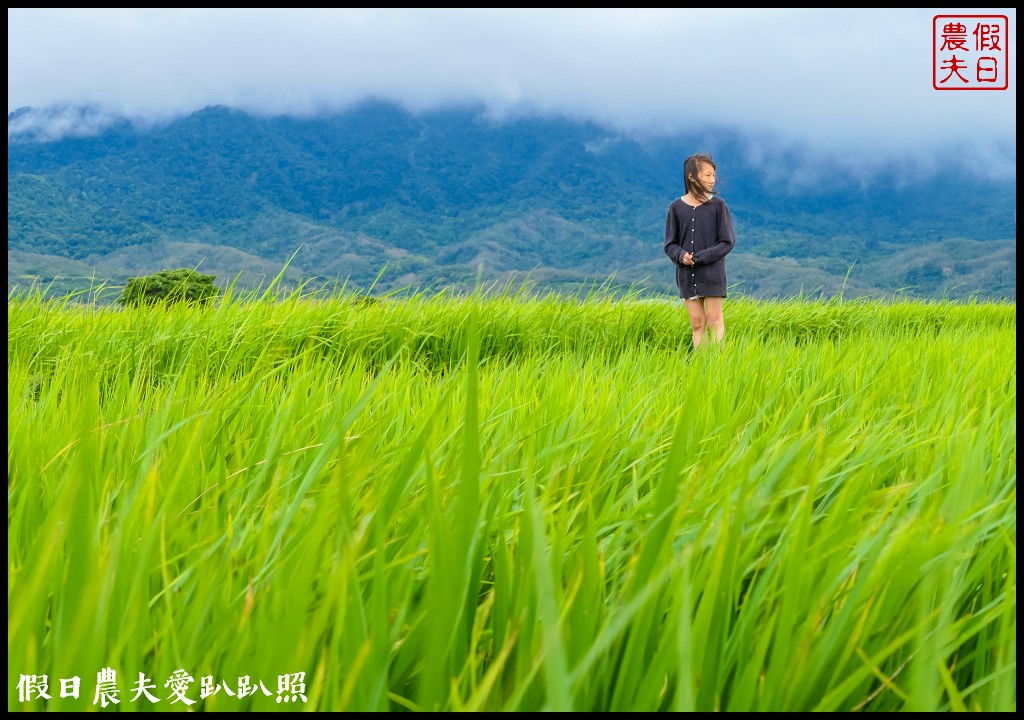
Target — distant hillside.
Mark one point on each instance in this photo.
(380, 195)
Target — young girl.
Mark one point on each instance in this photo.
(698, 236)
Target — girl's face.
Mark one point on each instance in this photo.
(705, 176)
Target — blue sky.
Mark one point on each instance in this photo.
(851, 83)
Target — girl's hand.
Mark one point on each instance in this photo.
(687, 258)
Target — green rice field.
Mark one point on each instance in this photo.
(511, 503)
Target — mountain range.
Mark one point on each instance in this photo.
(382, 199)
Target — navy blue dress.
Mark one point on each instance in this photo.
(706, 231)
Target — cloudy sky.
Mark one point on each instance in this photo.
(843, 81)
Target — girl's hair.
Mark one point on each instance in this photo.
(692, 167)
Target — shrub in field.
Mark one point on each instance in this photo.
(169, 286)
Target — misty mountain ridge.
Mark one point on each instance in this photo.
(382, 196)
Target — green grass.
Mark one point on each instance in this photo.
(515, 503)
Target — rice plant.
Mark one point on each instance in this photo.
(511, 503)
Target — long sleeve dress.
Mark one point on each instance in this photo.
(707, 232)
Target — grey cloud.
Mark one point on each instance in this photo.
(854, 83)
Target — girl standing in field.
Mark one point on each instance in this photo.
(698, 236)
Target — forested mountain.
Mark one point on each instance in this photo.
(381, 196)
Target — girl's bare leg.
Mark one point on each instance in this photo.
(698, 319)
(715, 317)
